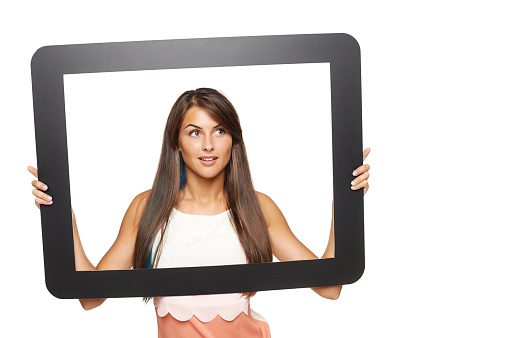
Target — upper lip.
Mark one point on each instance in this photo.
(201, 157)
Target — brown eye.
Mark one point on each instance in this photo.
(220, 131)
(194, 133)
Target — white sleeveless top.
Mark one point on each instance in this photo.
(201, 240)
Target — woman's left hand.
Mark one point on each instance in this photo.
(362, 173)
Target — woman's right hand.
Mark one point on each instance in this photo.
(38, 192)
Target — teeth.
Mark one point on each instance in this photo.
(207, 159)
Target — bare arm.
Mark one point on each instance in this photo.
(119, 256)
(121, 253)
(286, 246)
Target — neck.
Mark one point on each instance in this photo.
(202, 191)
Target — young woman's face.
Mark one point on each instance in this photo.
(204, 144)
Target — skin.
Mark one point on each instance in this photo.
(200, 135)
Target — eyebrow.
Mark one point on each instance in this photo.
(193, 125)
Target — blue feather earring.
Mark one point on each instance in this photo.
(183, 172)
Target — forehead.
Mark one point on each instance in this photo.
(199, 117)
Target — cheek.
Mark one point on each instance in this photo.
(229, 154)
(227, 147)
(188, 146)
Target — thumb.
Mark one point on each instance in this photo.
(366, 152)
(33, 171)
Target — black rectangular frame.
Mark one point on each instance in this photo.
(50, 63)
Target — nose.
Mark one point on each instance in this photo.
(208, 143)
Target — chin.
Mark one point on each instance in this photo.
(207, 174)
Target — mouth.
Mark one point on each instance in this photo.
(208, 160)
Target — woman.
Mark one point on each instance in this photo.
(202, 210)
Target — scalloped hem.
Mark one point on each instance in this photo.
(205, 308)
(243, 325)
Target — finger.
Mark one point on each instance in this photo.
(360, 185)
(39, 185)
(366, 188)
(42, 196)
(361, 170)
(365, 153)
(39, 201)
(360, 179)
(33, 171)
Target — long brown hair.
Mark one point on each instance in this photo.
(244, 208)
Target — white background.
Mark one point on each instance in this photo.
(285, 113)
(433, 84)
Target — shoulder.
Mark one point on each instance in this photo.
(142, 198)
(269, 208)
(264, 200)
(138, 204)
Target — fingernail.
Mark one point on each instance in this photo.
(44, 187)
(353, 183)
(49, 198)
(354, 173)
(352, 187)
(51, 202)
